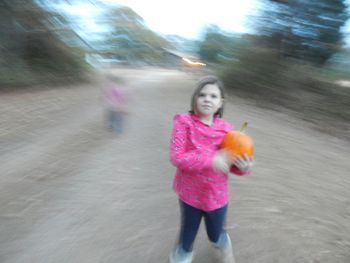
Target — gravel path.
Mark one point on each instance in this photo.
(71, 191)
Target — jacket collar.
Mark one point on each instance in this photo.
(197, 119)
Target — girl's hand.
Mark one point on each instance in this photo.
(244, 163)
(222, 162)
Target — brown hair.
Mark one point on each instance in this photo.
(200, 85)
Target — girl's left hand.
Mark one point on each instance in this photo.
(244, 163)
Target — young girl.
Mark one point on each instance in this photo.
(201, 180)
(116, 102)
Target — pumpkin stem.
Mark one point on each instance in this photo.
(244, 126)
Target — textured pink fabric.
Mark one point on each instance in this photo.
(192, 149)
(116, 98)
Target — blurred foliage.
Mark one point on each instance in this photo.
(130, 39)
(213, 44)
(302, 29)
(253, 66)
(40, 42)
(338, 66)
(218, 46)
(31, 50)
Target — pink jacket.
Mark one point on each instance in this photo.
(192, 149)
(116, 98)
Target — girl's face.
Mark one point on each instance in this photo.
(208, 101)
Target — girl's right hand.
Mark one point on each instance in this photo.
(244, 163)
(222, 162)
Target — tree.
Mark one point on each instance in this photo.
(306, 30)
(217, 45)
(130, 38)
(30, 40)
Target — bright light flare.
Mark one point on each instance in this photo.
(195, 63)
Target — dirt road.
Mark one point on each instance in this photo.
(71, 191)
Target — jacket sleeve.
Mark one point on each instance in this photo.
(180, 156)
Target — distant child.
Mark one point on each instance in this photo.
(201, 180)
(116, 100)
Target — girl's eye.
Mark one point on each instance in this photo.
(201, 95)
(214, 96)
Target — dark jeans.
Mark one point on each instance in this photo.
(115, 121)
(190, 222)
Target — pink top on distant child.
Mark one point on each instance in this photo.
(193, 146)
(116, 98)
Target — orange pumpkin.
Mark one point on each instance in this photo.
(238, 143)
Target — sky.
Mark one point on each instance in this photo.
(187, 18)
(181, 17)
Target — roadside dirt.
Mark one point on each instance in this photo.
(72, 191)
